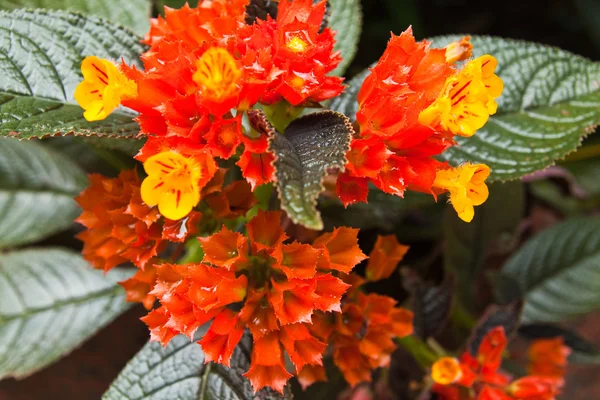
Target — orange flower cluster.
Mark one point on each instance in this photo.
(280, 285)
(289, 295)
(121, 228)
(400, 129)
(206, 66)
(361, 336)
(482, 377)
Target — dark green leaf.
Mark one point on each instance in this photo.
(431, 304)
(505, 316)
(51, 301)
(312, 144)
(506, 289)
(582, 351)
(559, 271)
(586, 173)
(346, 20)
(492, 229)
(134, 14)
(177, 371)
(40, 69)
(383, 211)
(37, 186)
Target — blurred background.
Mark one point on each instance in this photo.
(573, 25)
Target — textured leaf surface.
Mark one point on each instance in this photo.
(431, 305)
(51, 301)
(559, 271)
(37, 186)
(134, 14)
(178, 372)
(40, 68)
(346, 20)
(551, 100)
(582, 351)
(492, 229)
(311, 145)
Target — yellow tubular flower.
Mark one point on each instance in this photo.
(446, 371)
(102, 89)
(467, 188)
(467, 100)
(217, 74)
(172, 184)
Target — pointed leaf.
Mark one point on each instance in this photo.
(346, 20)
(37, 186)
(40, 69)
(177, 371)
(51, 301)
(134, 14)
(551, 100)
(431, 304)
(312, 145)
(559, 271)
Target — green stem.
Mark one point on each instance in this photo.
(424, 356)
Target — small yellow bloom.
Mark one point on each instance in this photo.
(102, 89)
(296, 44)
(446, 371)
(467, 188)
(459, 50)
(217, 74)
(172, 184)
(467, 100)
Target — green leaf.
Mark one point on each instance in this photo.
(551, 100)
(559, 271)
(384, 211)
(40, 68)
(134, 14)
(582, 351)
(51, 301)
(177, 371)
(346, 20)
(492, 230)
(37, 186)
(431, 303)
(312, 145)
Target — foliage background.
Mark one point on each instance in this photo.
(572, 25)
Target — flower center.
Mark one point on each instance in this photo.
(217, 74)
(296, 44)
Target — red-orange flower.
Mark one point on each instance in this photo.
(385, 257)
(278, 290)
(408, 114)
(120, 227)
(548, 357)
(481, 372)
(138, 287)
(340, 249)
